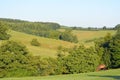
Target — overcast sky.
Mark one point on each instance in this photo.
(83, 13)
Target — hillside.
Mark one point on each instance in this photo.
(88, 37)
(102, 75)
(42, 29)
(55, 30)
(48, 46)
(79, 60)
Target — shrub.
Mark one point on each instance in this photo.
(35, 42)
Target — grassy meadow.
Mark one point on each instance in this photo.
(88, 35)
(84, 36)
(102, 75)
(49, 46)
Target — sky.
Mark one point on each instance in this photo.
(81, 13)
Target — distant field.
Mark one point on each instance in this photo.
(84, 35)
(88, 35)
(102, 75)
(91, 35)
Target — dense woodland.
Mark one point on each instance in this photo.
(16, 61)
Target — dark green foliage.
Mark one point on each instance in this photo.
(108, 50)
(81, 60)
(61, 55)
(14, 59)
(14, 48)
(115, 50)
(35, 42)
(102, 48)
(68, 36)
(45, 66)
(3, 31)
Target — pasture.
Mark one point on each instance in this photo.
(88, 35)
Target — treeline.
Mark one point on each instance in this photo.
(93, 28)
(43, 29)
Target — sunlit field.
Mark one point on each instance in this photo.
(102, 75)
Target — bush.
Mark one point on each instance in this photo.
(35, 42)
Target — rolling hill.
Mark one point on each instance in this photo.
(49, 46)
(87, 37)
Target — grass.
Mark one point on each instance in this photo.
(48, 46)
(88, 35)
(83, 36)
(102, 75)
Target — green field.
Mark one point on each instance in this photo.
(88, 35)
(91, 35)
(102, 75)
(85, 35)
(49, 46)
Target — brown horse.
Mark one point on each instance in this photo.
(101, 67)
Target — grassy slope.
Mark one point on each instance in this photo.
(87, 35)
(48, 46)
(90, 35)
(102, 75)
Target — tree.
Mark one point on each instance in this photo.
(81, 60)
(35, 42)
(103, 51)
(104, 27)
(3, 31)
(15, 60)
(108, 49)
(115, 50)
(117, 26)
(68, 36)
